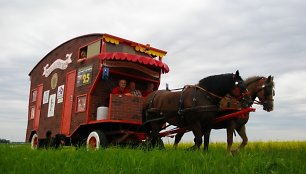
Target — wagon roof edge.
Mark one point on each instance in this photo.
(94, 34)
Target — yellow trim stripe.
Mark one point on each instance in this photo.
(149, 51)
(111, 40)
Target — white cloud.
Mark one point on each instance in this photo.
(202, 38)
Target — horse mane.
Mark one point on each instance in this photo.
(218, 84)
(252, 79)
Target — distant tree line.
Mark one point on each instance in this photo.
(4, 141)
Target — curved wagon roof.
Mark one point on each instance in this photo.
(147, 49)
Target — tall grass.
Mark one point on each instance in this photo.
(258, 157)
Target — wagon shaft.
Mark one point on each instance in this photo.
(235, 114)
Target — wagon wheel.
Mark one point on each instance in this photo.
(34, 141)
(96, 139)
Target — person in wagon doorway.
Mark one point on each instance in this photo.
(121, 88)
(150, 88)
(133, 90)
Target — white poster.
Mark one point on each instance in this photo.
(46, 97)
(60, 100)
(60, 93)
(32, 112)
(51, 106)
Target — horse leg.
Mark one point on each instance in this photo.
(154, 138)
(178, 138)
(230, 131)
(196, 130)
(206, 139)
(242, 133)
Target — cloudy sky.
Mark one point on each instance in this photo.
(202, 38)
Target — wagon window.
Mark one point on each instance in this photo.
(34, 95)
(94, 49)
(83, 53)
(81, 103)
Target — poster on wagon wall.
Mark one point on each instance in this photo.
(60, 93)
(51, 106)
(46, 97)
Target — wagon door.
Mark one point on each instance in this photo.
(68, 100)
(38, 106)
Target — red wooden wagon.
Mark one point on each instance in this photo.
(70, 91)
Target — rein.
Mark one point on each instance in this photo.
(257, 102)
(261, 103)
(197, 86)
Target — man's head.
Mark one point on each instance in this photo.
(150, 87)
(122, 84)
(132, 85)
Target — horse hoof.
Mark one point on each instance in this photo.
(234, 152)
(193, 148)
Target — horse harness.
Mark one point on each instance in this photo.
(181, 111)
(195, 108)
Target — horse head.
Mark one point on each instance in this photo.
(262, 88)
(239, 91)
(266, 93)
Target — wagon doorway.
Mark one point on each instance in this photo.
(38, 106)
(68, 101)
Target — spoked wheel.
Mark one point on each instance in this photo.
(34, 141)
(96, 139)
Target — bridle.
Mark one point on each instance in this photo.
(264, 87)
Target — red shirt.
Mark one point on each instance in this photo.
(117, 90)
(145, 93)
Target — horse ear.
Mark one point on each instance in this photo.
(237, 73)
(270, 78)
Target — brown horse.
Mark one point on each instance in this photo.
(258, 87)
(195, 107)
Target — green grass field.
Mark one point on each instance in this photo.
(257, 157)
